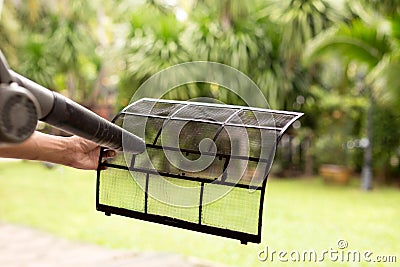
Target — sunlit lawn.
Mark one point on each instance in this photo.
(299, 215)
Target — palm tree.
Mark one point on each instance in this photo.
(153, 43)
(26, 53)
(302, 20)
(235, 33)
(367, 47)
(247, 36)
(8, 27)
(292, 24)
(389, 8)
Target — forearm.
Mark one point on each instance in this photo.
(39, 146)
(71, 151)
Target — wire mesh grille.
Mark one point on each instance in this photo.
(216, 114)
(119, 189)
(204, 169)
(242, 204)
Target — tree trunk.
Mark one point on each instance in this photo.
(71, 85)
(95, 93)
(366, 174)
(309, 157)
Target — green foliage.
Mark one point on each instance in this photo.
(155, 44)
(302, 20)
(368, 50)
(386, 140)
(387, 8)
(36, 64)
(53, 41)
(339, 121)
(357, 41)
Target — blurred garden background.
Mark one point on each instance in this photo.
(338, 61)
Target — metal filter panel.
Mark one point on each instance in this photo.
(204, 169)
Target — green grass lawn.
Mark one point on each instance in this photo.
(299, 215)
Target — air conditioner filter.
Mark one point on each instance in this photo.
(204, 169)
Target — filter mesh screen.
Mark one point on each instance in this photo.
(183, 204)
(242, 204)
(204, 168)
(119, 189)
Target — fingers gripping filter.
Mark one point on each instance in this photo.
(204, 169)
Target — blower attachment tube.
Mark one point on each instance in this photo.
(74, 118)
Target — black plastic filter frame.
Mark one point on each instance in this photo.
(244, 237)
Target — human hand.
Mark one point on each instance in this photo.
(84, 154)
(71, 151)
